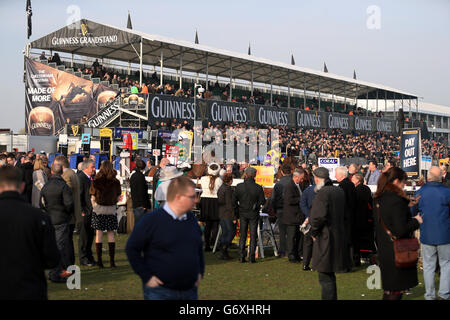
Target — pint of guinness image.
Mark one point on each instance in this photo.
(41, 122)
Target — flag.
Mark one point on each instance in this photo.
(354, 74)
(249, 51)
(196, 37)
(129, 26)
(29, 14)
(325, 69)
(292, 60)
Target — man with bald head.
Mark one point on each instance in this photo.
(433, 205)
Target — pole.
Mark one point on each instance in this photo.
(333, 98)
(140, 65)
(395, 113)
(181, 69)
(345, 96)
(231, 80)
(377, 101)
(161, 68)
(319, 94)
(207, 82)
(71, 61)
(304, 92)
(385, 101)
(289, 90)
(251, 85)
(367, 103)
(271, 86)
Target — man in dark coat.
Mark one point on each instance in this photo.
(327, 218)
(306, 201)
(57, 201)
(350, 207)
(293, 217)
(87, 232)
(139, 192)
(27, 170)
(27, 242)
(363, 228)
(278, 203)
(248, 199)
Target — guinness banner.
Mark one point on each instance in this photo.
(165, 108)
(54, 97)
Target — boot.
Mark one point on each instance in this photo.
(392, 296)
(225, 252)
(112, 251)
(98, 249)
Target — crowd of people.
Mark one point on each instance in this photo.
(324, 225)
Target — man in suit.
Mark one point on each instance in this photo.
(248, 199)
(86, 232)
(293, 217)
(139, 192)
(27, 242)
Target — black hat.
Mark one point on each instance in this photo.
(322, 173)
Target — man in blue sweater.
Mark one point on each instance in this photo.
(434, 204)
(165, 247)
(305, 205)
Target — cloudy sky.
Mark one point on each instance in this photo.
(407, 48)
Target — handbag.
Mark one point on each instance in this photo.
(406, 251)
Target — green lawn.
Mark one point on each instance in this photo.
(269, 278)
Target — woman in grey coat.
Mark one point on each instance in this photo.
(39, 180)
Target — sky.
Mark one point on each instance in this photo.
(403, 44)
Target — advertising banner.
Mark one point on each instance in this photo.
(410, 153)
(172, 153)
(331, 164)
(54, 98)
(264, 175)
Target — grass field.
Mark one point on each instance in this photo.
(269, 279)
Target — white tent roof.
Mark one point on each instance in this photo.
(126, 48)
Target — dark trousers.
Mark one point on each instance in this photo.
(293, 239)
(62, 242)
(211, 229)
(71, 249)
(85, 240)
(307, 249)
(228, 231)
(244, 224)
(327, 281)
(283, 233)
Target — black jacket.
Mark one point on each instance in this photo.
(277, 194)
(224, 200)
(292, 214)
(27, 171)
(248, 197)
(330, 253)
(57, 200)
(350, 207)
(397, 218)
(85, 197)
(28, 247)
(363, 216)
(139, 190)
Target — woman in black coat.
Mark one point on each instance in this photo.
(227, 215)
(392, 204)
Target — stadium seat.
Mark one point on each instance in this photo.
(53, 64)
(87, 76)
(105, 83)
(96, 80)
(78, 74)
(61, 68)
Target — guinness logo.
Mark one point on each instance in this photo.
(84, 29)
(75, 129)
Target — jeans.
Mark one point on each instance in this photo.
(244, 224)
(138, 214)
(228, 231)
(161, 293)
(62, 242)
(429, 266)
(328, 282)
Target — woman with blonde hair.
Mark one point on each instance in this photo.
(209, 207)
(105, 192)
(39, 180)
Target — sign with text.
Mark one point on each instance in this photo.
(172, 153)
(410, 153)
(86, 138)
(264, 175)
(426, 163)
(331, 164)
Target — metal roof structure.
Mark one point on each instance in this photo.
(88, 38)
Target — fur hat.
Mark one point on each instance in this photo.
(213, 172)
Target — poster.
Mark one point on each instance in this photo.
(264, 175)
(54, 98)
(172, 154)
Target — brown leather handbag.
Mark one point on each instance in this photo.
(406, 251)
